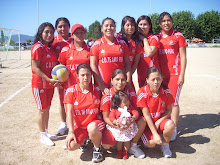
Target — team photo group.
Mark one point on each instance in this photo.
(99, 102)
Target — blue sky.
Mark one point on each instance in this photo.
(23, 14)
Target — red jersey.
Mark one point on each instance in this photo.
(115, 113)
(155, 104)
(110, 57)
(106, 101)
(85, 104)
(59, 43)
(169, 56)
(48, 60)
(72, 57)
(147, 62)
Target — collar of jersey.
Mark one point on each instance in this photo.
(147, 89)
(105, 41)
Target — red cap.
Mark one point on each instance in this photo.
(76, 26)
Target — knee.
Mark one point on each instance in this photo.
(92, 127)
(142, 123)
(170, 125)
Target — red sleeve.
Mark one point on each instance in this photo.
(126, 50)
(133, 97)
(106, 103)
(62, 57)
(36, 53)
(112, 115)
(138, 49)
(169, 97)
(182, 40)
(69, 96)
(142, 98)
(94, 50)
(155, 41)
(134, 112)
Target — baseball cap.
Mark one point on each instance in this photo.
(76, 26)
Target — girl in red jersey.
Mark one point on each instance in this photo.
(82, 103)
(43, 59)
(108, 54)
(118, 81)
(172, 57)
(156, 105)
(121, 108)
(63, 39)
(129, 34)
(149, 56)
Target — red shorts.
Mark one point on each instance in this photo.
(43, 97)
(82, 134)
(61, 93)
(171, 83)
(147, 135)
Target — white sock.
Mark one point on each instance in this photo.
(63, 123)
(96, 148)
(133, 144)
(46, 130)
(42, 134)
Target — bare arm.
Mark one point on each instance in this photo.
(94, 64)
(107, 120)
(183, 62)
(127, 68)
(149, 50)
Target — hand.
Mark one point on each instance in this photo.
(133, 119)
(55, 83)
(69, 139)
(128, 85)
(180, 80)
(141, 37)
(157, 139)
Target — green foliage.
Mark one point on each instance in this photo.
(208, 24)
(155, 23)
(12, 43)
(184, 22)
(28, 41)
(94, 32)
(2, 41)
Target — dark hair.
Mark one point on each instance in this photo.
(163, 14)
(83, 66)
(116, 99)
(124, 35)
(38, 36)
(62, 19)
(148, 20)
(118, 71)
(107, 19)
(152, 70)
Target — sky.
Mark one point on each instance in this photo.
(22, 15)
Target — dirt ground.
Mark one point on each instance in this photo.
(198, 139)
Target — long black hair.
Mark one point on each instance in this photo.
(38, 36)
(163, 14)
(64, 19)
(144, 17)
(117, 97)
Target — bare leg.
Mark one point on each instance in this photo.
(62, 113)
(94, 134)
(175, 114)
(141, 126)
(42, 119)
(168, 131)
(126, 145)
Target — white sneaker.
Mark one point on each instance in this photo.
(63, 128)
(174, 135)
(137, 152)
(52, 137)
(45, 140)
(165, 149)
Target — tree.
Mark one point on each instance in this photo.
(2, 41)
(184, 22)
(28, 41)
(155, 23)
(94, 32)
(209, 25)
(12, 43)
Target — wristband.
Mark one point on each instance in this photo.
(71, 132)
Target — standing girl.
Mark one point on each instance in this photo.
(123, 135)
(63, 39)
(82, 102)
(156, 105)
(149, 56)
(108, 54)
(43, 59)
(172, 57)
(118, 81)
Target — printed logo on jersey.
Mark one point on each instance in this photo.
(48, 56)
(41, 91)
(71, 57)
(76, 103)
(121, 50)
(102, 51)
(171, 42)
(163, 104)
(96, 101)
(166, 51)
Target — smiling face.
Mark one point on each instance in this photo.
(143, 27)
(154, 81)
(78, 35)
(124, 102)
(129, 28)
(118, 82)
(166, 23)
(47, 35)
(108, 29)
(63, 29)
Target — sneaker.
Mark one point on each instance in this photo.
(165, 149)
(125, 154)
(62, 130)
(174, 135)
(52, 137)
(137, 152)
(83, 147)
(45, 140)
(97, 155)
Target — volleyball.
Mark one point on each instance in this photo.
(60, 72)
